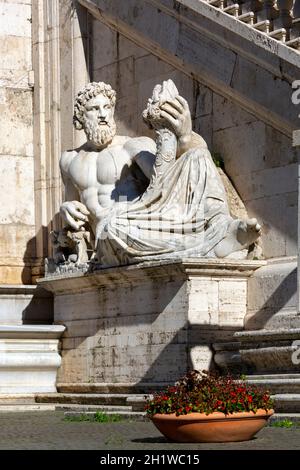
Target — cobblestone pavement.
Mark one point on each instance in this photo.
(49, 431)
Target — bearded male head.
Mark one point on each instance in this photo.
(94, 112)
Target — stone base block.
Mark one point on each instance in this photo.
(147, 323)
(25, 304)
(29, 358)
(261, 352)
(272, 296)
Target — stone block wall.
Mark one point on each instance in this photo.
(147, 323)
(258, 158)
(17, 225)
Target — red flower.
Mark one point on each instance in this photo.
(206, 393)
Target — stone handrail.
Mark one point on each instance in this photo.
(279, 19)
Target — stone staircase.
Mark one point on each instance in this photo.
(279, 19)
(125, 405)
(130, 406)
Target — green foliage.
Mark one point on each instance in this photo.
(218, 160)
(207, 392)
(101, 417)
(285, 423)
(98, 417)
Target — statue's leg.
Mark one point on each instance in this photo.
(240, 235)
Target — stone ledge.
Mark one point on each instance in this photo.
(296, 138)
(109, 388)
(26, 289)
(31, 332)
(143, 272)
(268, 335)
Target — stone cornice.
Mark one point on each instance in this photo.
(139, 273)
(215, 49)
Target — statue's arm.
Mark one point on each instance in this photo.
(72, 211)
(71, 193)
(142, 150)
(177, 114)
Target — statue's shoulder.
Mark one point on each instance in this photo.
(66, 158)
(135, 145)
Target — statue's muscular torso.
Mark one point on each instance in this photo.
(101, 177)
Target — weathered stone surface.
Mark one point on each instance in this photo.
(15, 21)
(17, 173)
(17, 248)
(269, 351)
(226, 54)
(29, 358)
(15, 53)
(146, 323)
(226, 114)
(16, 122)
(17, 222)
(25, 304)
(272, 296)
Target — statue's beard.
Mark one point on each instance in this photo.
(100, 134)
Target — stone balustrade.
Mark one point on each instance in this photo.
(279, 19)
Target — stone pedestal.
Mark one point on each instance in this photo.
(29, 358)
(148, 323)
(25, 304)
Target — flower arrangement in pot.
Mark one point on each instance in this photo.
(208, 407)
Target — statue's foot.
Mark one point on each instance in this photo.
(248, 232)
(241, 234)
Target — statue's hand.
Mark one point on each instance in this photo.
(178, 116)
(74, 213)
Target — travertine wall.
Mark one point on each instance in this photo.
(258, 158)
(17, 228)
(147, 324)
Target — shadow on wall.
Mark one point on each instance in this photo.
(39, 309)
(192, 345)
(35, 254)
(276, 302)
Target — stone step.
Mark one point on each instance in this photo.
(83, 398)
(61, 401)
(132, 416)
(287, 403)
(277, 385)
(93, 408)
(277, 417)
(114, 388)
(15, 399)
(21, 407)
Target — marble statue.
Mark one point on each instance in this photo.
(138, 198)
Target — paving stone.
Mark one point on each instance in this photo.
(49, 431)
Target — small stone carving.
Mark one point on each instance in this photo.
(144, 199)
(70, 246)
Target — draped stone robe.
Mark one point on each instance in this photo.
(183, 212)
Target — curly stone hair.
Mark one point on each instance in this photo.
(91, 90)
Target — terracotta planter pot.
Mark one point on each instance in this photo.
(216, 427)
